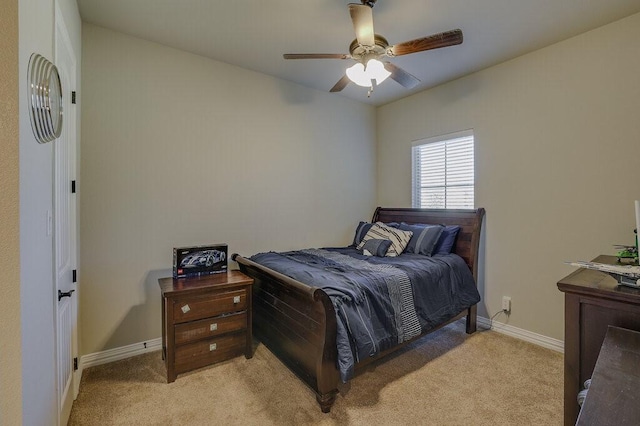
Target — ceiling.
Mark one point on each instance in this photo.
(254, 34)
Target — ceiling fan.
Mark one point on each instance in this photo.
(369, 48)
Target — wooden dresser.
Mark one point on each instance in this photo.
(205, 320)
(593, 301)
(613, 398)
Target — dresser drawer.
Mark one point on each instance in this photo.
(196, 330)
(189, 309)
(205, 352)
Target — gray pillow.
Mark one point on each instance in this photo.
(376, 247)
(424, 238)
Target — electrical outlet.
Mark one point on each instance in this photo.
(506, 304)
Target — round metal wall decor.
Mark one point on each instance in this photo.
(45, 99)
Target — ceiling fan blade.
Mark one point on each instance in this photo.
(401, 76)
(316, 56)
(436, 41)
(341, 84)
(362, 18)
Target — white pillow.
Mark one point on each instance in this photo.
(379, 231)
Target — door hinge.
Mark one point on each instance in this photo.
(73, 97)
(75, 275)
(75, 364)
(73, 186)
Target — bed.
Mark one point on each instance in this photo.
(303, 326)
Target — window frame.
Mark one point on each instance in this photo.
(416, 186)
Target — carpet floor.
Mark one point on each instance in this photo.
(445, 378)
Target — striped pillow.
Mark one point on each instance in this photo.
(379, 231)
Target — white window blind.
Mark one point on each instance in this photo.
(443, 175)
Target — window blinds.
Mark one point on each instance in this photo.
(443, 175)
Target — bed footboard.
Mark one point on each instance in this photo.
(297, 323)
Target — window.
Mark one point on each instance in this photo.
(443, 172)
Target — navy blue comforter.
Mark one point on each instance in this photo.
(379, 301)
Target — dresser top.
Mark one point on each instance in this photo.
(223, 280)
(598, 283)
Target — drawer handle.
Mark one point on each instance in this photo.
(185, 308)
(213, 347)
(213, 327)
(236, 300)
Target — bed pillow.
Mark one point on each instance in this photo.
(379, 231)
(424, 238)
(363, 228)
(376, 247)
(361, 231)
(447, 240)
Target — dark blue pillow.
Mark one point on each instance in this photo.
(447, 240)
(376, 247)
(424, 238)
(361, 231)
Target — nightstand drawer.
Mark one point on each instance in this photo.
(192, 331)
(205, 352)
(189, 309)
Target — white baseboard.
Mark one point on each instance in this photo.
(116, 354)
(519, 333)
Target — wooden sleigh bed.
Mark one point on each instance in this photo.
(297, 322)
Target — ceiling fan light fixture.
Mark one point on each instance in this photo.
(376, 69)
(362, 75)
(357, 75)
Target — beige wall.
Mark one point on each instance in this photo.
(181, 150)
(10, 359)
(557, 151)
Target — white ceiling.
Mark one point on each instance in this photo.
(254, 34)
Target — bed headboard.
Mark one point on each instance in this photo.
(470, 221)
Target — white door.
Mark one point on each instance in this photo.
(65, 227)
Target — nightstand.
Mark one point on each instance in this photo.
(205, 320)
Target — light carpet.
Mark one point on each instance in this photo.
(445, 378)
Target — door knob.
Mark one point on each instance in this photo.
(62, 294)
